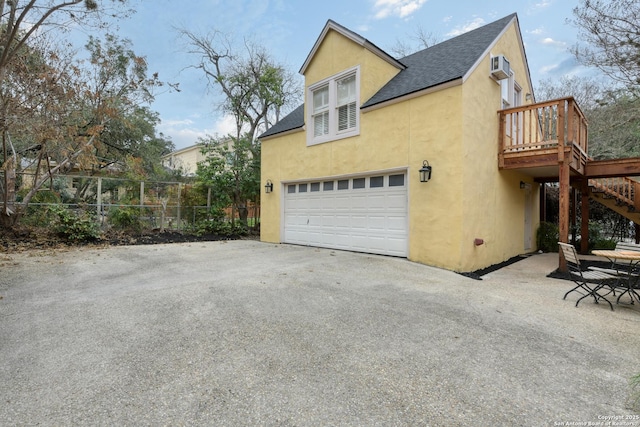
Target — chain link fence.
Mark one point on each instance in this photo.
(125, 203)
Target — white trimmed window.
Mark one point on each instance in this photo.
(334, 112)
(321, 112)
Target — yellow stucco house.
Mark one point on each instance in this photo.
(185, 159)
(343, 170)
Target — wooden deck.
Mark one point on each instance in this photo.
(536, 138)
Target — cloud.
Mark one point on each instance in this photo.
(186, 132)
(225, 126)
(465, 28)
(540, 5)
(551, 42)
(400, 8)
(567, 66)
(447, 18)
(537, 31)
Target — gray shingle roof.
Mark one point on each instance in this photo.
(441, 63)
(291, 121)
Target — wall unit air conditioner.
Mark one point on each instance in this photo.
(500, 67)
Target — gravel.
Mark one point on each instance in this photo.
(249, 333)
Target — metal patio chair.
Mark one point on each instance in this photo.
(588, 282)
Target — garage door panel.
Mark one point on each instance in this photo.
(396, 224)
(377, 222)
(396, 200)
(359, 219)
(358, 222)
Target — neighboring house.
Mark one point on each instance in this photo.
(185, 160)
(344, 169)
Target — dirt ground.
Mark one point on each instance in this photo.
(25, 239)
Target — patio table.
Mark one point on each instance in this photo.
(633, 258)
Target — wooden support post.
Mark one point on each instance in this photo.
(99, 201)
(572, 215)
(584, 228)
(543, 202)
(571, 137)
(563, 214)
(179, 214)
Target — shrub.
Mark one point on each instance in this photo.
(37, 214)
(77, 227)
(596, 238)
(635, 392)
(218, 227)
(547, 237)
(126, 218)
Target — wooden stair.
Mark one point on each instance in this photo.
(618, 194)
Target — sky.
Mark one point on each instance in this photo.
(289, 28)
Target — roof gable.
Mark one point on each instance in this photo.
(293, 120)
(444, 62)
(354, 37)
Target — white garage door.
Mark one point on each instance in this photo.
(362, 214)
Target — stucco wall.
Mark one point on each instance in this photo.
(494, 203)
(455, 129)
(186, 159)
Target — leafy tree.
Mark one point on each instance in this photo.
(256, 91)
(36, 82)
(232, 170)
(76, 111)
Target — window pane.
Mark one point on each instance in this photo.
(352, 115)
(396, 180)
(358, 183)
(321, 124)
(347, 116)
(315, 186)
(291, 188)
(302, 188)
(327, 186)
(376, 181)
(346, 90)
(320, 99)
(343, 184)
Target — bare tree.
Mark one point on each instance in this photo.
(613, 115)
(589, 92)
(420, 39)
(256, 89)
(611, 30)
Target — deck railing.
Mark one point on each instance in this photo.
(547, 125)
(622, 188)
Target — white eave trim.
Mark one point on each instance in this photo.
(432, 89)
(514, 21)
(332, 25)
(183, 150)
(279, 134)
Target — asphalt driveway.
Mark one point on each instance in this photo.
(248, 333)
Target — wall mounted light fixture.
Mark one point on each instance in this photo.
(425, 171)
(268, 187)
